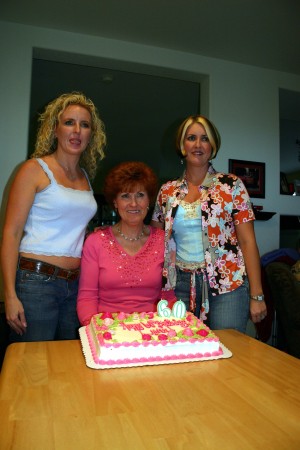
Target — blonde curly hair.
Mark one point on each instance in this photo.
(46, 142)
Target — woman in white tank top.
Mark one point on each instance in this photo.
(50, 204)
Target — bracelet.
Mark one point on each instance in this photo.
(259, 298)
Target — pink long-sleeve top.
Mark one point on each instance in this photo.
(111, 280)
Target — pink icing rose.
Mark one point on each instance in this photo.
(150, 315)
(121, 316)
(107, 335)
(106, 315)
(162, 337)
(146, 337)
(188, 332)
(108, 321)
(172, 333)
(202, 332)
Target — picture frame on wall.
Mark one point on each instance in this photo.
(252, 174)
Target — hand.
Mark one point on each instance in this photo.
(15, 316)
(258, 311)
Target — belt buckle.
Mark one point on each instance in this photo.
(38, 266)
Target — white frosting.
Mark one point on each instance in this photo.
(162, 351)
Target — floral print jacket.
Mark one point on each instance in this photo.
(224, 203)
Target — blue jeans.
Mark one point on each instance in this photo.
(49, 305)
(182, 289)
(229, 310)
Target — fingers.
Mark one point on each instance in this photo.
(256, 318)
(23, 319)
(18, 324)
(258, 311)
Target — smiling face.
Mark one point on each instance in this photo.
(132, 206)
(197, 147)
(73, 130)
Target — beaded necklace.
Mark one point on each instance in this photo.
(127, 238)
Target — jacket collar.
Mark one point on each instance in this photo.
(182, 184)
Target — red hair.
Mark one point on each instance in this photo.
(126, 176)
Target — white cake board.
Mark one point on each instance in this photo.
(93, 365)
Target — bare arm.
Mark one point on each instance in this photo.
(20, 200)
(247, 242)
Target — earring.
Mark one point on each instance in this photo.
(181, 161)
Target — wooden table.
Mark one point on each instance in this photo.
(50, 399)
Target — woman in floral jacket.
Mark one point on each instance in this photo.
(211, 256)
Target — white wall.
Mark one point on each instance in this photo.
(242, 100)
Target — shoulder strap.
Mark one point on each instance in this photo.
(86, 176)
(46, 170)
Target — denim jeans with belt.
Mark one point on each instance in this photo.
(49, 305)
(230, 310)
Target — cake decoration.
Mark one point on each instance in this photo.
(178, 309)
(114, 340)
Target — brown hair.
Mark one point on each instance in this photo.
(210, 129)
(46, 142)
(126, 176)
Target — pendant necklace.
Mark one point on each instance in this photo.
(127, 238)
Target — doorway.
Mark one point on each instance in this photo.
(141, 111)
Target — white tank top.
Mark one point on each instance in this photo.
(57, 220)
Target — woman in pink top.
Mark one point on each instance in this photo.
(121, 266)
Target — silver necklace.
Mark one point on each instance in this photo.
(67, 170)
(127, 238)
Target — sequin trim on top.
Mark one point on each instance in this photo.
(192, 210)
(134, 267)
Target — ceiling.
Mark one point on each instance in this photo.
(263, 33)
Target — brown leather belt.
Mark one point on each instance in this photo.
(40, 267)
